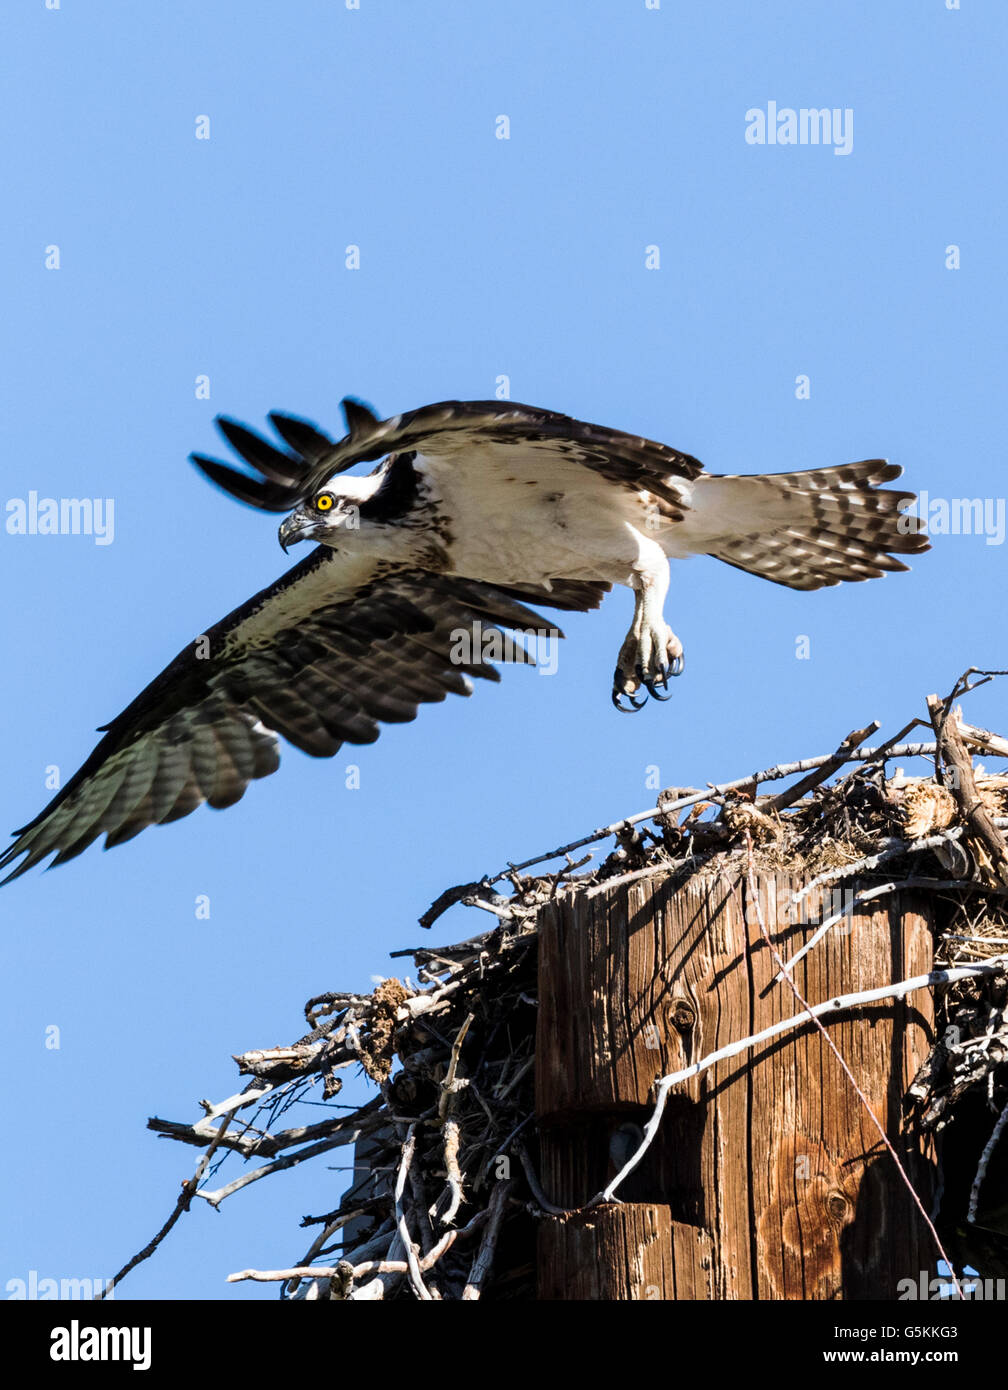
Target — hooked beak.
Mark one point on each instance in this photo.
(293, 528)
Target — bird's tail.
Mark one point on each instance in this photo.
(808, 530)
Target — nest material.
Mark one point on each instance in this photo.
(446, 1204)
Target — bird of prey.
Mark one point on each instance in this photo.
(475, 509)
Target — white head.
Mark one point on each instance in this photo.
(331, 513)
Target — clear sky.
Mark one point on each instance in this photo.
(480, 258)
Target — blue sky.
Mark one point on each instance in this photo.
(479, 258)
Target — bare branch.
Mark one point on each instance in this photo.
(483, 1262)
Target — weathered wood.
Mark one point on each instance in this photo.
(612, 1253)
(773, 1181)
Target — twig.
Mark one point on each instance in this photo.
(982, 739)
(963, 685)
(416, 1279)
(503, 1147)
(448, 1084)
(387, 1275)
(894, 849)
(182, 1205)
(450, 1131)
(519, 1075)
(488, 1246)
(279, 1164)
(277, 1276)
(869, 895)
(256, 1145)
(772, 774)
(535, 1187)
(358, 1269)
(621, 880)
(505, 911)
(450, 1148)
(985, 1159)
(825, 769)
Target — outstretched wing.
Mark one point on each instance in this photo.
(448, 430)
(323, 656)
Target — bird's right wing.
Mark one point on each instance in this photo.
(482, 434)
(323, 656)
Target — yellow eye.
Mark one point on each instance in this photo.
(324, 502)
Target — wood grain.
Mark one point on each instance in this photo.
(772, 1180)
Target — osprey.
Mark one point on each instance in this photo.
(475, 508)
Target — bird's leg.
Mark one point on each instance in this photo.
(651, 652)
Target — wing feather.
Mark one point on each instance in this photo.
(322, 657)
(446, 431)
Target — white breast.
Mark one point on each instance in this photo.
(525, 515)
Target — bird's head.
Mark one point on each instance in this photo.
(322, 518)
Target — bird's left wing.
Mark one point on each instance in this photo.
(323, 656)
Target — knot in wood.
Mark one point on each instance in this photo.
(682, 1016)
(837, 1205)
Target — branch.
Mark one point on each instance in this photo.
(422, 1292)
(985, 1159)
(825, 769)
(257, 1145)
(289, 1161)
(483, 1262)
(869, 895)
(895, 849)
(971, 807)
(182, 1205)
(771, 774)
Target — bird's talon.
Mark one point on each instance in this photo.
(654, 659)
(652, 689)
(635, 705)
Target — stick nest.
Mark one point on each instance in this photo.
(446, 1200)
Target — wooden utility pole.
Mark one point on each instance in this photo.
(767, 1179)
